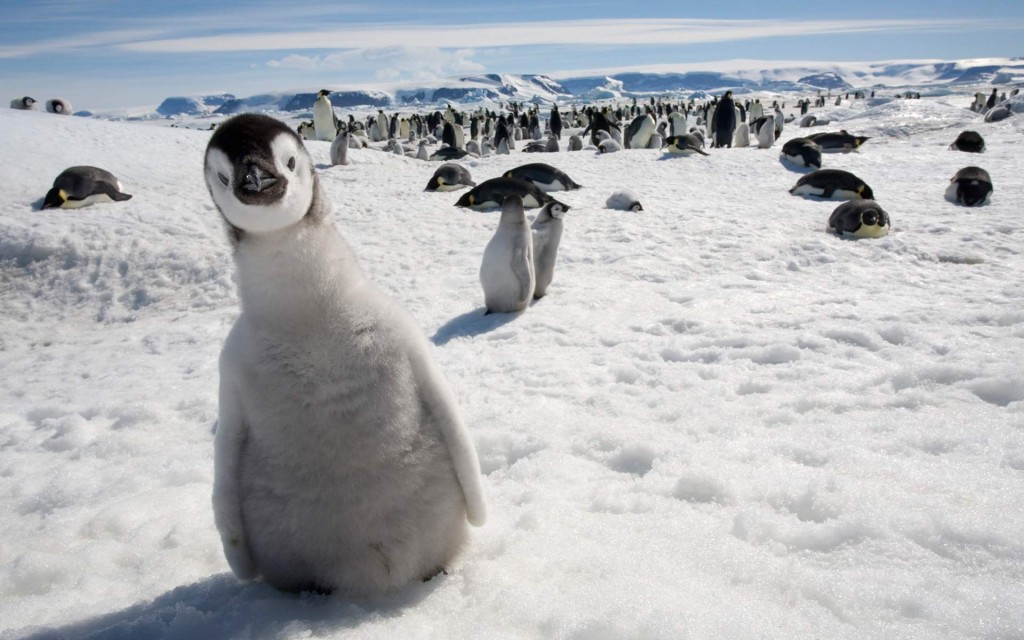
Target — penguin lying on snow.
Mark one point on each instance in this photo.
(491, 193)
(832, 183)
(24, 103)
(859, 219)
(340, 459)
(685, 145)
(81, 186)
(969, 141)
(802, 152)
(59, 106)
(544, 176)
(449, 177)
(624, 200)
(842, 141)
(971, 187)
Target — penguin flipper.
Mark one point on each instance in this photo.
(227, 503)
(111, 191)
(522, 267)
(438, 403)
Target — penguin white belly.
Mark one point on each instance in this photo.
(795, 159)
(808, 190)
(950, 193)
(326, 501)
(323, 120)
(867, 231)
(88, 200)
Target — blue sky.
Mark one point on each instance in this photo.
(103, 54)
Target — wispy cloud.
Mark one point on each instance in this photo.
(390, 64)
(566, 32)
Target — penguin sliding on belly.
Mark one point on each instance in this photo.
(832, 184)
(77, 187)
(802, 152)
(340, 460)
(971, 187)
(859, 219)
(491, 193)
(544, 176)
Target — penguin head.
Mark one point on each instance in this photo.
(323, 92)
(865, 192)
(259, 174)
(556, 209)
(55, 198)
(634, 207)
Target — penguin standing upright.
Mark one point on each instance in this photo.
(340, 460)
(325, 122)
(507, 270)
(724, 121)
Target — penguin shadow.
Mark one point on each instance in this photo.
(472, 323)
(37, 205)
(222, 607)
(795, 168)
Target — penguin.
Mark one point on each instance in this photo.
(306, 130)
(449, 177)
(59, 106)
(448, 153)
(802, 152)
(24, 103)
(422, 153)
(608, 145)
(507, 270)
(724, 121)
(832, 183)
(535, 147)
(685, 145)
(623, 200)
(382, 124)
(339, 148)
(969, 141)
(341, 463)
(859, 219)
(77, 187)
(473, 148)
(555, 122)
(657, 141)
(677, 123)
(575, 143)
(742, 137)
(552, 144)
(639, 131)
(766, 133)
(998, 113)
(547, 233)
(971, 187)
(325, 122)
(544, 177)
(807, 121)
(448, 135)
(491, 193)
(843, 142)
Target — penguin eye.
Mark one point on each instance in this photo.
(291, 163)
(223, 179)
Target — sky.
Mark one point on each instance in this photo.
(105, 54)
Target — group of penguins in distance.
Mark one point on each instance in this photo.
(532, 249)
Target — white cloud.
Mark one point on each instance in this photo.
(565, 32)
(395, 63)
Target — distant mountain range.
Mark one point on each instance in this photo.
(743, 77)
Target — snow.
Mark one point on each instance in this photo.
(721, 422)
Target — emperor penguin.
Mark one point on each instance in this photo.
(971, 187)
(802, 152)
(639, 131)
(842, 142)
(382, 124)
(677, 124)
(77, 187)
(547, 233)
(859, 219)
(766, 134)
(24, 103)
(544, 176)
(324, 120)
(969, 141)
(449, 177)
(742, 137)
(339, 148)
(624, 200)
(340, 460)
(575, 143)
(423, 153)
(507, 272)
(832, 183)
(60, 106)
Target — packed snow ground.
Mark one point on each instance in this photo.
(722, 421)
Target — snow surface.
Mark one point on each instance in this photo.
(721, 422)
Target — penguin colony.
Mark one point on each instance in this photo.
(291, 507)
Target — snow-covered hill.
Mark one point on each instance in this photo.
(696, 79)
(721, 422)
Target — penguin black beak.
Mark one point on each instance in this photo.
(53, 199)
(256, 179)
